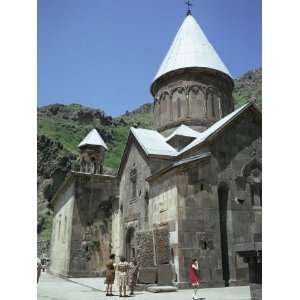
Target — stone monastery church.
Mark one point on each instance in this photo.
(189, 189)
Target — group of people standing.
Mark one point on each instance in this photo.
(125, 272)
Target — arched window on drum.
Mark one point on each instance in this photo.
(179, 103)
(213, 105)
(196, 102)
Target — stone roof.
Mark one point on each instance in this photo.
(203, 136)
(181, 162)
(191, 48)
(153, 143)
(184, 130)
(93, 139)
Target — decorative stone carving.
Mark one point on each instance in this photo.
(162, 245)
(195, 98)
(145, 249)
(250, 181)
(133, 179)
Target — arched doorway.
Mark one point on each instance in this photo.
(130, 244)
(223, 202)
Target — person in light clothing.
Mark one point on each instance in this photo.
(122, 269)
(132, 275)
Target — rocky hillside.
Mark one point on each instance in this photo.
(62, 127)
(248, 88)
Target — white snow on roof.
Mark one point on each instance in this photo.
(191, 48)
(93, 138)
(214, 128)
(183, 130)
(153, 142)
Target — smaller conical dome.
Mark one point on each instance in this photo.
(191, 48)
(93, 139)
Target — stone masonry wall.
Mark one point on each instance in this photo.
(92, 224)
(61, 231)
(163, 220)
(198, 225)
(241, 144)
(199, 216)
(133, 194)
(191, 96)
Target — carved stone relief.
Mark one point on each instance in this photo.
(185, 100)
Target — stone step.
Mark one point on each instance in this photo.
(162, 289)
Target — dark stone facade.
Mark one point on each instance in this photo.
(153, 254)
(91, 234)
(216, 211)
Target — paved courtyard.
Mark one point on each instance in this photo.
(54, 288)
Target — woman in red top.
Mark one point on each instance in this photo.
(194, 277)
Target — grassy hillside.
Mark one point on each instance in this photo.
(69, 124)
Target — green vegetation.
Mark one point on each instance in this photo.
(248, 88)
(120, 133)
(114, 155)
(45, 226)
(67, 134)
(239, 101)
(63, 125)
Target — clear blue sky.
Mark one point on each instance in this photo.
(104, 53)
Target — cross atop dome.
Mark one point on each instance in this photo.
(189, 5)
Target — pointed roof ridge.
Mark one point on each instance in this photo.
(191, 48)
(203, 136)
(152, 142)
(93, 138)
(183, 130)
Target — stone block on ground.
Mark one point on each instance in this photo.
(143, 287)
(162, 289)
(147, 275)
(164, 274)
(145, 248)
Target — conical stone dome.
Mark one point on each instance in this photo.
(192, 86)
(191, 48)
